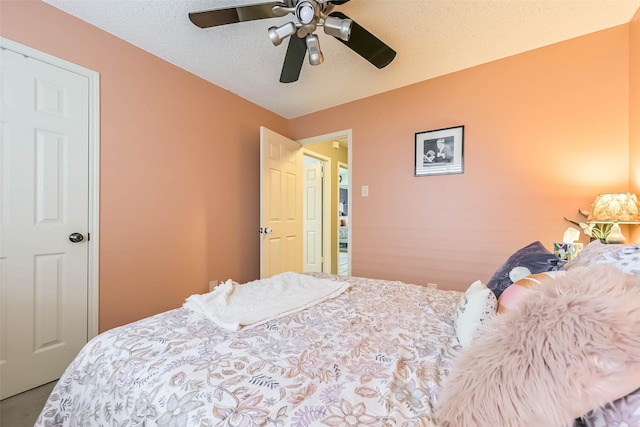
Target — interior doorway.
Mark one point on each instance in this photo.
(343, 219)
(335, 148)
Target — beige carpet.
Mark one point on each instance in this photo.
(22, 410)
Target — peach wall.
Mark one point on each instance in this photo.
(179, 168)
(634, 113)
(545, 131)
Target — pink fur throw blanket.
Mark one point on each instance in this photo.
(570, 346)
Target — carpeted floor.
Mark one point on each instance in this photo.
(22, 410)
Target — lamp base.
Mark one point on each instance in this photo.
(615, 235)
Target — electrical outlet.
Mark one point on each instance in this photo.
(432, 285)
(213, 284)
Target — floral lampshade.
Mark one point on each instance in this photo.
(615, 208)
(622, 208)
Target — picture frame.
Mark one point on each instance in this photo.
(439, 151)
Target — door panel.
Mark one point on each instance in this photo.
(280, 204)
(313, 217)
(43, 294)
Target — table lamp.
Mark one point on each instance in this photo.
(616, 209)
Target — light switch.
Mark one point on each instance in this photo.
(365, 191)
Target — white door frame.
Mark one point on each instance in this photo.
(328, 137)
(94, 172)
(326, 206)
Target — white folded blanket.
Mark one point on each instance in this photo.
(233, 306)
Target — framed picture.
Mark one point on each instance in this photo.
(439, 152)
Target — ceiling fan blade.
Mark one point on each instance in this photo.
(232, 15)
(293, 60)
(338, 2)
(366, 44)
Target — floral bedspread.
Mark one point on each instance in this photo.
(376, 355)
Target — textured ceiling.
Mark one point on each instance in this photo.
(431, 38)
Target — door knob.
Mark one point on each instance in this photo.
(268, 230)
(76, 237)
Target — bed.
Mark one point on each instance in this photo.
(334, 363)
(382, 353)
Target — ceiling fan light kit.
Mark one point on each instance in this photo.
(313, 46)
(309, 14)
(277, 34)
(336, 27)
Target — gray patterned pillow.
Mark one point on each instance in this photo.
(625, 257)
(622, 412)
(590, 252)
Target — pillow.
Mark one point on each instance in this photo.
(476, 305)
(568, 348)
(590, 252)
(622, 412)
(512, 296)
(625, 257)
(534, 256)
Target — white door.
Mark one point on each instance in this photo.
(281, 172)
(312, 212)
(44, 133)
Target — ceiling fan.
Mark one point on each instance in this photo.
(309, 14)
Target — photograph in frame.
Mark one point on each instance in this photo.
(439, 152)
